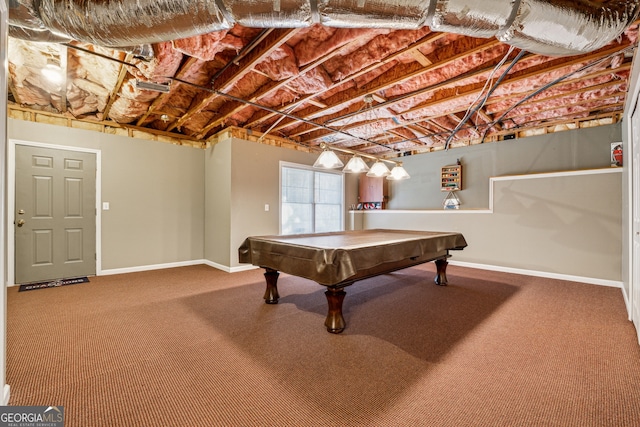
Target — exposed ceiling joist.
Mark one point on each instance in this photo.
(307, 86)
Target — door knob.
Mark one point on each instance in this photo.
(20, 222)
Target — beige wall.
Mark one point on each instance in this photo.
(569, 150)
(217, 213)
(566, 224)
(172, 204)
(558, 225)
(241, 178)
(155, 192)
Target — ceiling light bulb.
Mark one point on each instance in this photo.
(378, 169)
(53, 64)
(398, 173)
(356, 165)
(53, 75)
(328, 160)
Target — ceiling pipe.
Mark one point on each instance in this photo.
(548, 27)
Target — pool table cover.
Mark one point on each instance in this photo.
(332, 259)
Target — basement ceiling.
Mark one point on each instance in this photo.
(382, 91)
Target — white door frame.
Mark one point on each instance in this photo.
(631, 198)
(631, 156)
(11, 201)
(4, 73)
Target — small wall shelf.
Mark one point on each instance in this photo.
(451, 178)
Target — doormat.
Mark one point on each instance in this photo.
(53, 283)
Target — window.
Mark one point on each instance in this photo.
(311, 201)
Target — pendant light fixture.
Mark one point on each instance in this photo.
(329, 160)
(379, 169)
(356, 165)
(398, 173)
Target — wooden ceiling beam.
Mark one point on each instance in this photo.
(420, 57)
(161, 99)
(233, 74)
(380, 84)
(580, 91)
(623, 68)
(64, 60)
(521, 77)
(401, 73)
(116, 88)
(556, 64)
(272, 87)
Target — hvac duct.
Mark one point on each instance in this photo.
(22, 13)
(567, 27)
(270, 13)
(36, 35)
(131, 22)
(398, 14)
(549, 27)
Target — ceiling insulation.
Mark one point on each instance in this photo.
(383, 77)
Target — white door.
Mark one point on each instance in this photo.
(55, 217)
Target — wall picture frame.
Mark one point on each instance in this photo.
(616, 154)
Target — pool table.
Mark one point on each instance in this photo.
(338, 259)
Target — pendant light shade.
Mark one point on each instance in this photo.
(379, 169)
(398, 173)
(356, 165)
(328, 160)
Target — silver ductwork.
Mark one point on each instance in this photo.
(22, 13)
(549, 27)
(131, 22)
(37, 35)
(271, 13)
(567, 27)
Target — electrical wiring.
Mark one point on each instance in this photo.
(273, 110)
(548, 85)
(489, 93)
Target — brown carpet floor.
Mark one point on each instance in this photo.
(195, 346)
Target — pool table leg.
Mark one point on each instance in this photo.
(335, 322)
(441, 274)
(271, 293)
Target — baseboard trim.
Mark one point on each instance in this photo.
(243, 268)
(150, 267)
(580, 279)
(6, 395)
(229, 269)
(177, 264)
(535, 273)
